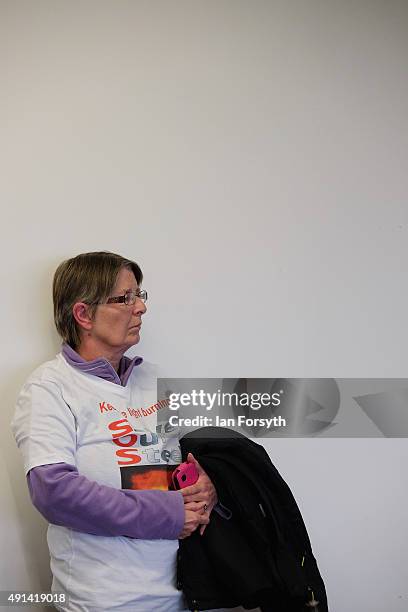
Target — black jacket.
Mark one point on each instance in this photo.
(262, 555)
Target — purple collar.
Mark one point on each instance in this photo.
(101, 367)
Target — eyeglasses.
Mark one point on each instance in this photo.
(129, 298)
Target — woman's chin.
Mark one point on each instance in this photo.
(133, 337)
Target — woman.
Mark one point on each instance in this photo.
(86, 425)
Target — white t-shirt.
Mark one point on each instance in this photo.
(109, 433)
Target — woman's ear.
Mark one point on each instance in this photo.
(82, 315)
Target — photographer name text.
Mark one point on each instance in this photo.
(217, 421)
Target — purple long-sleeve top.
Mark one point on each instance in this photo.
(65, 497)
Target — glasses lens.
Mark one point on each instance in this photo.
(130, 298)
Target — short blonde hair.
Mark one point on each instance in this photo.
(88, 278)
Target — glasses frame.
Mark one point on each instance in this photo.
(124, 299)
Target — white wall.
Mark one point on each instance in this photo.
(251, 156)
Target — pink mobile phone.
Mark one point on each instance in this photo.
(185, 475)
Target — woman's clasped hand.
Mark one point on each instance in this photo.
(199, 501)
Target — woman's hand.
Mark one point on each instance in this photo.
(191, 521)
(202, 492)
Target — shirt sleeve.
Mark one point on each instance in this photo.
(43, 425)
(65, 497)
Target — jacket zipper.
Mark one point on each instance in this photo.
(312, 603)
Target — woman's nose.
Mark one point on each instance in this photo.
(139, 307)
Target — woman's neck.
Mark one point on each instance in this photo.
(89, 352)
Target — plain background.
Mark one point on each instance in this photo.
(252, 157)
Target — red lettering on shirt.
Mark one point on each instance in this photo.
(132, 441)
(104, 407)
(129, 454)
(121, 427)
